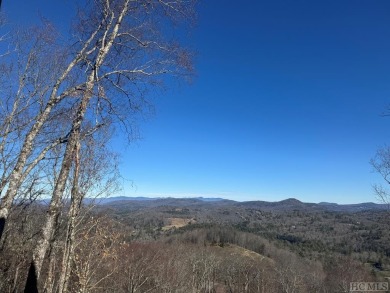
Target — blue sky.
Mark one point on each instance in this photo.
(287, 102)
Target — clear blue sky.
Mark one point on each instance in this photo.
(286, 103)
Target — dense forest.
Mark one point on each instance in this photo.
(192, 245)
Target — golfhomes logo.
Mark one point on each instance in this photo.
(368, 286)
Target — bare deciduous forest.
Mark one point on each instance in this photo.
(192, 245)
(62, 101)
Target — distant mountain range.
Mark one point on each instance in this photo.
(287, 204)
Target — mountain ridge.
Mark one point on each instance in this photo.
(286, 204)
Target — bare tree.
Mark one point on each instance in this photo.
(112, 35)
(64, 94)
(95, 176)
(26, 111)
(96, 255)
(121, 48)
(119, 51)
(381, 165)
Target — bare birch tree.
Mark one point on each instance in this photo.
(28, 113)
(121, 49)
(95, 176)
(381, 165)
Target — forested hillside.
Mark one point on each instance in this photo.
(190, 245)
